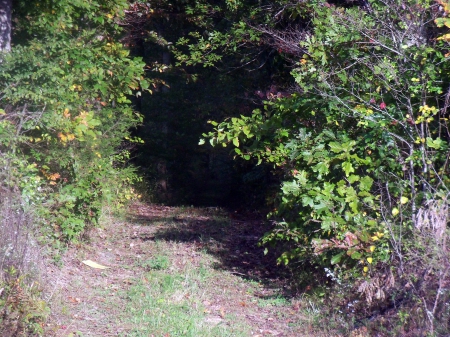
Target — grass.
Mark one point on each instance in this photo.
(274, 301)
(159, 262)
(168, 302)
(174, 272)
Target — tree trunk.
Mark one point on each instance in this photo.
(5, 25)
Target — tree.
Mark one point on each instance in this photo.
(65, 109)
(5, 25)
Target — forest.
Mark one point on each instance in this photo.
(329, 121)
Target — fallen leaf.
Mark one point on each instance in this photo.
(74, 300)
(93, 264)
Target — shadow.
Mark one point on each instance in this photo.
(231, 237)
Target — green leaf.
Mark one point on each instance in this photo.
(348, 168)
(321, 168)
(353, 178)
(290, 187)
(307, 201)
(366, 183)
(335, 147)
(440, 22)
(434, 144)
(337, 258)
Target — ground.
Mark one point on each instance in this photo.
(175, 272)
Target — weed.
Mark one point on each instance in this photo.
(274, 301)
(159, 262)
(22, 311)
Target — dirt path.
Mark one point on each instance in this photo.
(173, 272)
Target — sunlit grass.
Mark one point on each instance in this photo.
(168, 301)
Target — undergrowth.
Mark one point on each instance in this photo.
(23, 312)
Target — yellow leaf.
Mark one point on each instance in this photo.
(404, 200)
(54, 176)
(93, 264)
(395, 211)
(366, 269)
(445, 37)
(372, 248)
(369, 259)
(62, 137)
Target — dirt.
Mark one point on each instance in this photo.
(90, 302)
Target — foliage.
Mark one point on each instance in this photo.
(65, 107)
(22, 311)
(362, 143)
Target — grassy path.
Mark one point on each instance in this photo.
(173, 272)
